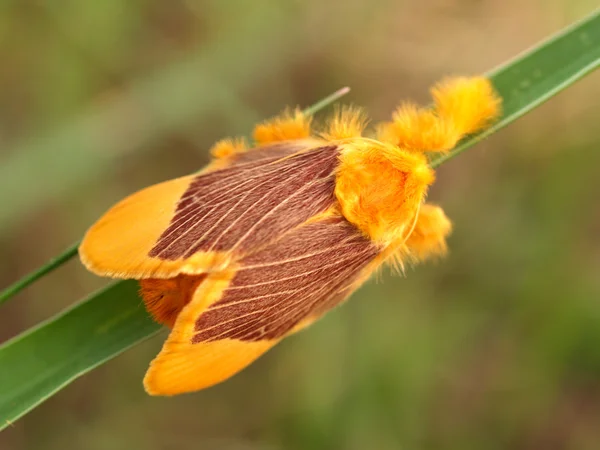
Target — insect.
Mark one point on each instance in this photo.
(267, 238)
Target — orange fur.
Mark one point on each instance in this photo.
(379, 188)
(418, 129)
(346, 122)
(469, 103)
(287, 126)
(462, 106)
(428, 238)
(228, 147)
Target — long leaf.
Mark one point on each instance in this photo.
(42, 361)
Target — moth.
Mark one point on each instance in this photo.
(268, 238)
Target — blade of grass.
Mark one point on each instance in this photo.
(54, 263)
(524, 83)
(93, 324)
(38, 363)
(311, 110)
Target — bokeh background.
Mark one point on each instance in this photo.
(495, 347)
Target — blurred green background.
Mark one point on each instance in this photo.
(495, 347)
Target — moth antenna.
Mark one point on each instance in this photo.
(287, 126)
(461, 106)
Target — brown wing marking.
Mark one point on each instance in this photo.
(166, 229)
(247, 205)
(236, 316)
(184, 367)
(308, 271)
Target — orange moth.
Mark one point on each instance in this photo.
(266, 239)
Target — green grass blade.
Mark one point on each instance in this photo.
(42, 361)
(54, 263)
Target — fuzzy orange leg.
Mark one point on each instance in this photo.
(345, 123)
(461, 106)
(287, 126)
(428, 238)
(228, 147)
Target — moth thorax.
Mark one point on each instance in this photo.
(380, 187)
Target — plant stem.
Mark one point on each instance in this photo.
(326, 101)
(39, 273)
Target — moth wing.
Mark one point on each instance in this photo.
(203, 222)
(237, 315)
